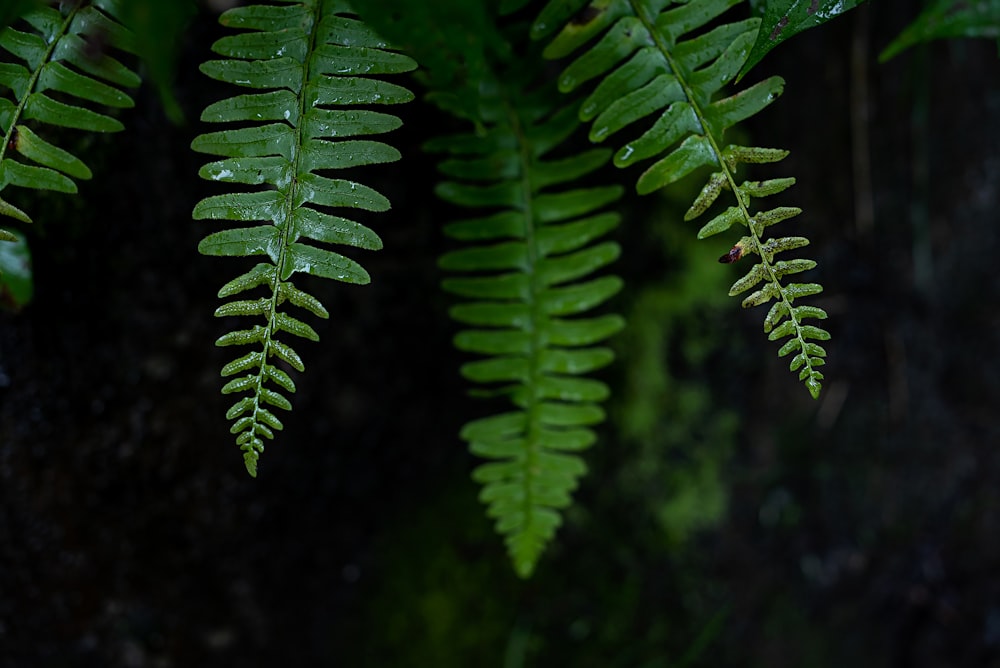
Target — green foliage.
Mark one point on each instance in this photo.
(783, 19)
(948, 19)
(646, 68)
(453, 40)
(308, 58)
(310, 75)
(62, 64)
(527, 271)
(11, 10)
(16, 288)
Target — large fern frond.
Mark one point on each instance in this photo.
(527, 277)
(652, 69)
(307, 58)
(62, 73)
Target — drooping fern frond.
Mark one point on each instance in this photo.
(652, 68)
(62, 71)
(527, 277)
(303, 62)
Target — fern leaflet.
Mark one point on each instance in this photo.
(60, 68)
(648, 70)
(527, 278)
(307, 58)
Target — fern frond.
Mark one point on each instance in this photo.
(303, 61)
(58, 79)
(650, 70)
(527, 275)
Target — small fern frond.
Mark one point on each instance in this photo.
(304, 62)
(527, 276)
(650, 70)
(60, 75)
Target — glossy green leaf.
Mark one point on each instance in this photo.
(33, 147)
(277, 105)
(272, 169)
(729, 111)
(261, 306)
(757, 273)
(255, 141)
(11, 211)
(29, 176)
(289, 41)
(301, 59)
(319, 226)
(721, 222)
(264, 205)
(44, 109)
(266, 17)
(338, 123)
(693, 153)
(27, 46)
(319, 262)
(242, 242)
(338, 192)
(278, 73)
(15, 77)
(706, 198)
(786, 18)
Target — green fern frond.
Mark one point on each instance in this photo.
(527, 276)
(304, 61)
(62, 69)
(651, 70)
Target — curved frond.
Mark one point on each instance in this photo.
(303, 64)
(526, 272)
(57, 76)
(660, 67)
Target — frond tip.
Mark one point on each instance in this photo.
(307, 59)
(663, 63)
(764, 278)
(527, 278)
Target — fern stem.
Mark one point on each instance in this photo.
(535, 346)
(33, 80)
(285, 239)
(309, 59)
(648, 17)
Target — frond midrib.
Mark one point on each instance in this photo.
(535, 343)
(289, 208)
(640, 11)
(33, 80)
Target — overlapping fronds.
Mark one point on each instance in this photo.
(303, 62)
(59, 72)
(664, 64)
(527, 276)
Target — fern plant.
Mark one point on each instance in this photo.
(63, 70)
(526, 273)
(652, 68)
(307, 57)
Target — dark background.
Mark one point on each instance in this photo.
(727, 519)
